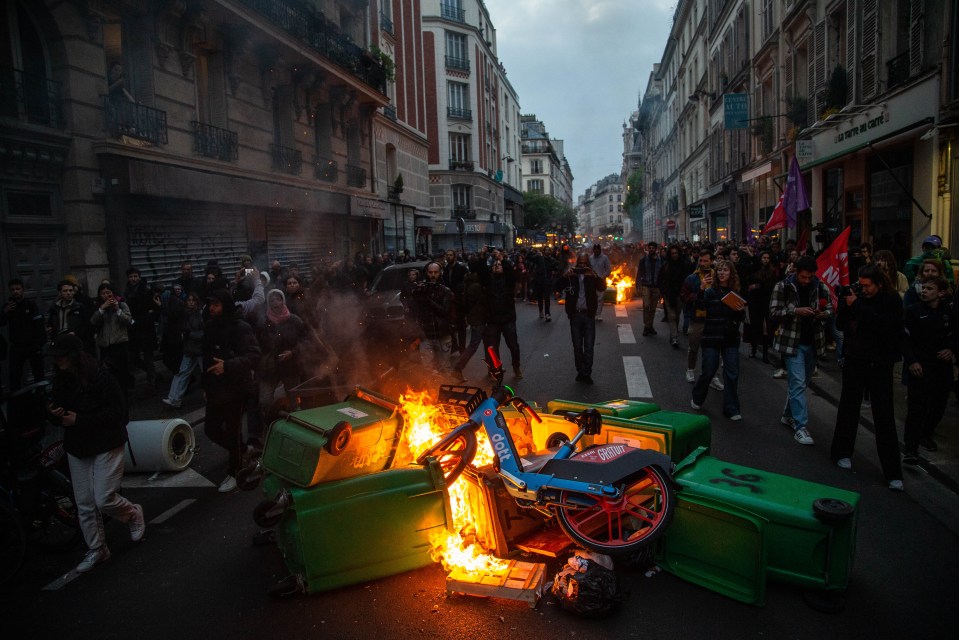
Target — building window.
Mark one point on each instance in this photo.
(210, 88)
(534, 186)
(458, 100)
(535, 166)
(457, 56)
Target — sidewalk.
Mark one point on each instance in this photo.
(943, 464)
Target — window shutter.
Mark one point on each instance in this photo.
(141, 58)
(788, 90)
(915, 36)
(820, 36)
(812, 113)
(851, 16)
(869, 59)
(217, 91)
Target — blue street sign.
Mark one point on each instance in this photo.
(736, 110)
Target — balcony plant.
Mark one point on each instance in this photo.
(389, 67)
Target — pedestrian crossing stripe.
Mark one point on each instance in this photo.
(166, 480)
(637, 382)
(626, 335)
(621, 311)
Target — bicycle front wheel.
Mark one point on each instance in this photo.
(622, 525)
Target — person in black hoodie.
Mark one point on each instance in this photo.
(674, 271)
(581, 285)
(230, 353)
(87, 400)
(870, 316)
(932, 340)
(25, 327)
(501, 310)
(145, 306)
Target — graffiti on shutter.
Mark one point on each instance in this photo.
(305, 239)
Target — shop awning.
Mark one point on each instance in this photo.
(761, 170)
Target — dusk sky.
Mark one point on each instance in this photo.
(580, 66)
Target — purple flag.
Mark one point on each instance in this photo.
(795, 198)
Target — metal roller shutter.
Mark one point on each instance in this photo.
(304, 239)
(160, 242)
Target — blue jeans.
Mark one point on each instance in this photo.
(582, 329)
(799, 370)
(182, 378)
(730, 358)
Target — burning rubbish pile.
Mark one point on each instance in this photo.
(622, 284)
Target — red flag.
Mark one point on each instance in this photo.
(802, 241)
(778, 218)
(832, 266)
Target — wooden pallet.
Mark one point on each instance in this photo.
(523, 581)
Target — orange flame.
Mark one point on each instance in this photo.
(425, 424)
(621, 282)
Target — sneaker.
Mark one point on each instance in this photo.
(815, 372)
(674, 342)
(647, 331)
(895, 485)
(788, 421)
(228, 485)
(844, 463)
(93, 558)
(548, 319)
(690, 375)
(138, 524)
(518, 373)
(910, 458)
(802, 436)
(716, 384)
(779, 374)
(866, 404)
(736, 417)
(176, 404)
(695, 406)
(598, 319)
(929, 444)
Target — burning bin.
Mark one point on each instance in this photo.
(735, 526)
(499, 520)
(362, 528)
(333, 442)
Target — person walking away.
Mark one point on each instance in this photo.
(689, 295)
(501, 312)
(282, 338)
(870, 315)
(192, 352)
(111, 322)
(674, 272)
(725, 310)
(599, 262)
(430, 303)
(476, 313)
(87, 401)
(930, 345)
(230, 354)
(543, 266)
(145, 308)
(647, 277)
(581, 283)
(25, 328)
(802, 305)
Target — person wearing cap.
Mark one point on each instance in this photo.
(87, 401)
(230, 355)
(931, 248)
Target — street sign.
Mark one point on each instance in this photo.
(696, 211)
(804, 151)
(670, 224)
(736, 110)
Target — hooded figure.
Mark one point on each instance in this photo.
(282, 337)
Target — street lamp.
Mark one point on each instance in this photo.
(699, 92)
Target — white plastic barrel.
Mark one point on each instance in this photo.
(159, 445)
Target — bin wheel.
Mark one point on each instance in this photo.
(338, 439)
(266, 514)
(454, 451)
(832, 511)
(557, 439)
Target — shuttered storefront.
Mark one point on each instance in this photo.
(159, 242)
(304, 239)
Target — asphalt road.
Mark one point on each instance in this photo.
(198, 575)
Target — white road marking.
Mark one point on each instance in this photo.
(174, 479)
(626, 335)
(621, 311)
(637, 383)
(63, 580)
(172, 511)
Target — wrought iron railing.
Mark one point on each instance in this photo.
(464, 212)
(390, 112)
(355, 176)
(461, 165)
(28, 97)
(897, 70)
(286, 159)
(451, 12)
(312, 27)
(325, 169)
(126, 118)
(455, 62)
(462, 114)
(386, 24)
(214, 142)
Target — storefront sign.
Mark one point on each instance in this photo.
(736, 110)
(855, 130)
(367, 207)
(696, 211)
(805, 151)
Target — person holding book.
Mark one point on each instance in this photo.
(725, 311)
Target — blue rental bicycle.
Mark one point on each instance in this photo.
(610, 498)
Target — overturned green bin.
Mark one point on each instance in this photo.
(735, 526)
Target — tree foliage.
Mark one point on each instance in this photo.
(634, 190)
(541, 211)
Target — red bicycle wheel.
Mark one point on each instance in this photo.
(621, 525)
